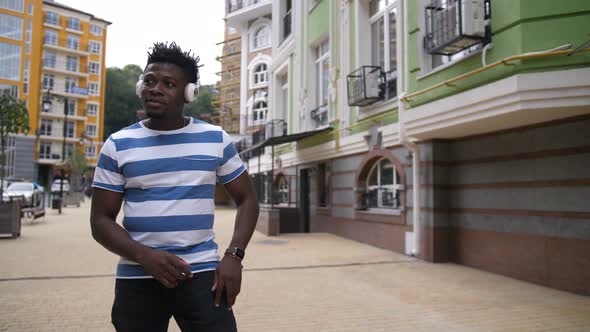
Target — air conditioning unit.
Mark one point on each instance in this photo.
(454, 25)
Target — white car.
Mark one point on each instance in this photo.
(55, 186)
(28, 190)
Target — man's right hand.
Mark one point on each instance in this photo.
(167, 268)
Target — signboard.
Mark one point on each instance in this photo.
(80, 91)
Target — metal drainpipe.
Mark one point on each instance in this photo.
(410, 144)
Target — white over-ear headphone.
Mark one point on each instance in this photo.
(191, 91)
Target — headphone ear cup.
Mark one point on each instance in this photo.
(191, 92)
(139, 86)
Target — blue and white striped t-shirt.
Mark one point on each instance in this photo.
(168, 181)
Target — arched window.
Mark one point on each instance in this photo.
(259, 113)
(262, 37)
(260, 73)
(381, 190)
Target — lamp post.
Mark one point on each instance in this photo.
(47, 105)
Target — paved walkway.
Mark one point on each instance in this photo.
(56, 278)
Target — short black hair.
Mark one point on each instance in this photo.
(171, 53)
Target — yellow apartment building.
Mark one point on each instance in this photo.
(52, 56)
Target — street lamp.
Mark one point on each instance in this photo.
(47, 103)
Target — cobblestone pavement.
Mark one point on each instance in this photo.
(56, 278)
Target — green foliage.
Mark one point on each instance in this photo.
(202, 105)
(78, 161)
(121, 103)
(14, 119)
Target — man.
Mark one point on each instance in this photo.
(164, 169)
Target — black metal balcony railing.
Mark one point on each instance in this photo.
(364, 86)
(274, 128)
(390, 84)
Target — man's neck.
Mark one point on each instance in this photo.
(166, 124)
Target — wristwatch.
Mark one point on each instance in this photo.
(239, 253)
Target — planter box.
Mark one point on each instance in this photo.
(10, 218)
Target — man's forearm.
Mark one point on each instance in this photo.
(246, 219)
(114, 238)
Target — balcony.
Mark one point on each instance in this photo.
(65, 47)
(62, 68)
(370, 84)
(242, 11)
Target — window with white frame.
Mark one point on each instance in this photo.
(28, 36)
(91, 109)
(90, 152)
(259, 112)
(14, 5)
(74, 23)
(94, 47)
(91, 130)
(93, 89)
(48, 81)
(30, 9)
(27, 76)
(44, 150)
(95, 30)
(9, 89)
(383, 33)
(70, 84)
(93, 67)
(282, 190)
(72, 105)
(381, 186)
(51, 37)
(49, 59)
(45, 128)
(52, 18)
(72, 63)
(262, 37)
(73, 42)
(322, 73)
(260, 73)
(10, 59)
(11, 27)
(70, 126)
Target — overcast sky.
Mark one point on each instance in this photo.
(137, 24)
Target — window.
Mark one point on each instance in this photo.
(14, 5)
(44, 150)
(287, 20)
(74, 23)
(11, 27)
(70, 126)
(262, 37)
(49, 59)
(323, 185)
(28, 36)
(48, 81)
(69, 150)
(52, 18)
(91, 130)
(72, 63)
(93, 89)
(9, 89)
(322, 73)
(93, 67)
(260, 73)
(51, 37)
(10, 56)
(91, 109)
(94, 47)
(72, 105)
(30, 9)
(70, 83)
(260, 111)
(382, 183)
(282, 189)
(383, 33)
(73, 42)
(95, 30)
(27, 76)
(90, 152)
(45, 128)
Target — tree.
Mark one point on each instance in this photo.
(14, 118)
(202, 105)
(121, 103)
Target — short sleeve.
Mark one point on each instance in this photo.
(231, 165)
(107, 174)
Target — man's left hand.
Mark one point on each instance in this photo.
(228, 276)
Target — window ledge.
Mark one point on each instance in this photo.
(261, 48)
(447, 65)
(53, 26)
(79, 32)
(377, 108)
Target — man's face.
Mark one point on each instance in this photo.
(162, 94)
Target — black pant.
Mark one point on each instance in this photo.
(146, 305)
